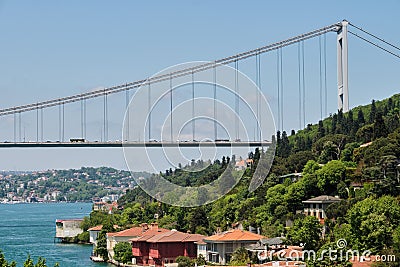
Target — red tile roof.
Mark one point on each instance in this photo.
(149, 234)
(290, 253)
(175, 236)
(363, 262)
(96, 228)
(234, 235)
(131, 232)
(200, 242)
(137, 232)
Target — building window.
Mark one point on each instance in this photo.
(229, 247)
(212, 247)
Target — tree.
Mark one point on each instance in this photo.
(296, 161)
(240, 257)
(330, 175)
(306, 231)
(360, 118)
(396, 239)
(330, 146)
(5, 263)
(123, 252)
(283, 149)
(201, 260)
(334, 124)
(373, 222)
(29, 262)
(41, 262)
(340, 129)
(365, 133)
(101, 248)
(311, 167)
(372, 112)
(184, 261)
(350, 123)
(321, 129)
(380, 129)
(197, 219)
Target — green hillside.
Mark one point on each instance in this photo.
(354, 156)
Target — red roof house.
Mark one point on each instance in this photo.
(134, 232)
(154, 248)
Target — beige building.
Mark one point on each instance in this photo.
(220, 247)
(317, 206)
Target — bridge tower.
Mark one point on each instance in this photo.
(342, 65)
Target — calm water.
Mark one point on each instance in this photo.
(30, 229)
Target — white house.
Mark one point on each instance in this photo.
(94, 233)
(317, 206)
(68, 228)
(201, 248)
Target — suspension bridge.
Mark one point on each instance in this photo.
(37, 113)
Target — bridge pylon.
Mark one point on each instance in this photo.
(342, 67)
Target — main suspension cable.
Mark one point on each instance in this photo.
(374, 44)
(376, 37)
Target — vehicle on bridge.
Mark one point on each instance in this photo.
(77, 140)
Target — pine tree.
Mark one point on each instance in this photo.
(285, 146)
(350, 123)
(390, 105)
(334, 123)
(380, 129)
(340, 122)
(372, 113)
(29, 262)
(321, 129)
(278, 138)
(360, 118)
(278, 143)
(223, 161)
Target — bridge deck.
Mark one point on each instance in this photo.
(133, 144)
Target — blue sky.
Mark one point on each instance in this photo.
(50, 49)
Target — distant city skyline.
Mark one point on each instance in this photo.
(53, 49)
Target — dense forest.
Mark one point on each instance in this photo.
(353, 155)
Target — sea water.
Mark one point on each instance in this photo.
(30, 229)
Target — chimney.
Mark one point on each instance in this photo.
(145, 227)
(154, 225)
